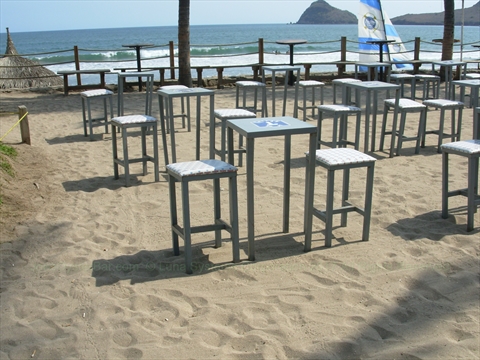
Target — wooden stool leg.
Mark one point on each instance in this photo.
(472, 191)
(223, 138)
(458, 133)
(319, 129)
(234, 234)
(368, 203)
(401, 130)
(187, 232)
(155, 153)
(441, 129)
(237, 93)
(90, 124)
(84, 117)
(189, 121)
(335, 132)
(173, 214)
(217, 212)
(384, 126)
(105, 114)
(445, 185)
(143, 130)
(357, 131)
(115, 152)
(329, 208)
(345, 190)
(304, 103)
(125, 157)
(420, 131)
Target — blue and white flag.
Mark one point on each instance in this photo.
(370, 28)
(374, 24)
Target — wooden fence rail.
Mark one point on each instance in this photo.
(341, 65)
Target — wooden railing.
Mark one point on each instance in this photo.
(167, 73)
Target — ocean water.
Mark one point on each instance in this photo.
(217, 45)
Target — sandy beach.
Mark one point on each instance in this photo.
(88, 272)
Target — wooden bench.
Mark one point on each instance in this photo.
(162, 70)
(78, 73)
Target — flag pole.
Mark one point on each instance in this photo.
(461, 36)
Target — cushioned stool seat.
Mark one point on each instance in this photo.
(428, 81)
(183, 115)
(472, 76)
(228, 114)
(341, 82)
(404, 106)
(339, 136)
(249, 85)
(312, 85)
(87, 96)
(471, 150)
(184, 173)
(134, 121)
(401, 79)
(456, 126)
(340, 159)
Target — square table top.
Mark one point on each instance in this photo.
(467, 82)
(373, 85)
(167, 92)
(373, 64)
(449, 62)
(135, 74)
(281, 67)
(272, 126)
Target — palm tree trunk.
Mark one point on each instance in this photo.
(184, 73)
(448, 30)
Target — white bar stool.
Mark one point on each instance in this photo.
(405, 106)
(339, 136)
(148, 90)
(87, 97)
(344, 159)
(456, 126)
(183, 115)
(246, 85)
(471, 150)
(229, 114)
(310, 84)
(428, 81)
(186, 172)
(134, 121)
(341, 82)
(401, 79)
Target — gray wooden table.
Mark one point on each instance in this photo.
(166, 96)
(373, 88)
(252, 129)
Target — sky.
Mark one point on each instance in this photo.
(45, 15)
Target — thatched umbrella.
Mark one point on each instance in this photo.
(19, 72)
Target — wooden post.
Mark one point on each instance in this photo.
(255, 69)
(24, 128)
(260, 54)
(343, 56)
(199, 77)
(307, 71)
(77, 64)
(416, 55)
(162, 76)
(220, 77)
(172, 60)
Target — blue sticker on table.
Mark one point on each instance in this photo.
(270, 123)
